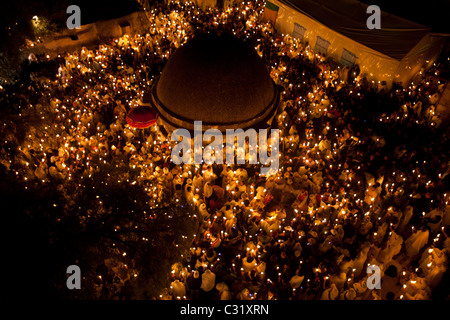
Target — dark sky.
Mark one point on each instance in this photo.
(93, 10)
(15, 16)
(431, 13)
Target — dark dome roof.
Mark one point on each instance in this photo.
(219, 80)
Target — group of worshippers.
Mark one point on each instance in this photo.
(363, 179)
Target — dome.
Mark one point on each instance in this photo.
(217, 79)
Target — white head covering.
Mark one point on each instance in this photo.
(296, 281)
(334, 292)
(208, 190)
(179, 289)
(349, 294)
(208, 280)
(221, 287)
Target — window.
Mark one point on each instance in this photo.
(348, 58)
(299, 31)
(321, 45)
(125, 26)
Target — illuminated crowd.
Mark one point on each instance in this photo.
(360, 181)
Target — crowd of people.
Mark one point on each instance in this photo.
(363, 178)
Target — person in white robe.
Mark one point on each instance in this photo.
(227, 176)
(360, 288)
(446, 216)
(204, 214)
(244, 295)
(296, 281)
(40, 172)
(249, 264)
(208, 190)
(209, 176)
(241, 174)
(54, 173)
(416, 242)
(433, 264)
(365, 226)
(224, 291)
(381, 231)
(407, 214)
(197, 182)
(331, 293)
(188, 191)
(434, 219)
(339, 280)
(393, 247)
(178, 289)
(201, 262)
(326, 245)
(416, 289)
(434, 277)
(208, 280)
(359, 261)
(349, 294)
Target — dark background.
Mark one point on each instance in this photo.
(432, 13)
